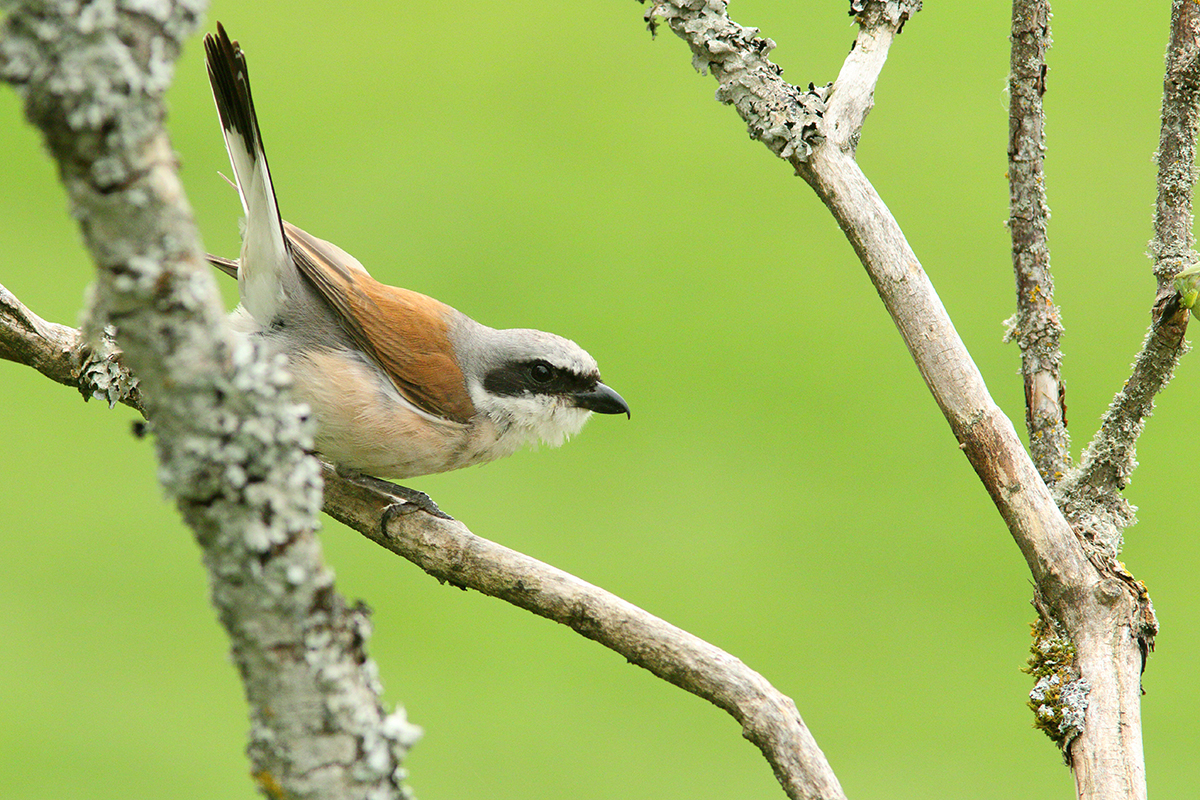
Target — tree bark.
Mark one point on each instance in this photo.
(1037, 326)
(232, 445)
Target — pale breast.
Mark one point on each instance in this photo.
(364, 424)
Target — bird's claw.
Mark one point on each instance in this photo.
(410, 500)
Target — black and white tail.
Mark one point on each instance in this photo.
(266, 261)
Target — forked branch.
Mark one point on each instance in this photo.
(816, 134)
(1105, 613)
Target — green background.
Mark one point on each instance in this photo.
(786, 488)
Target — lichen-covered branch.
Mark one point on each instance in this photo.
(1091, 494)
(1173, 222)
(1110, 458)
(231, 444)
(1093, 491)
(1037, 326)
(781, 116)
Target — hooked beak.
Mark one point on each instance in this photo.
(602, 400)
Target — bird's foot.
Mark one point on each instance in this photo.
(410, 499)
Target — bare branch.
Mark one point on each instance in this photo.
(61, 354)
(854, 90)
(48, 347)
(451, 553)
(231, 443)
(1036, 326)
(986, 435)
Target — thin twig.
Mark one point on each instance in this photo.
(1037, 326)
(1091, 493)
(52, 349)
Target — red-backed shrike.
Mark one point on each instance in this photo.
(400, 384)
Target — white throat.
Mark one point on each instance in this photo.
(529, 419)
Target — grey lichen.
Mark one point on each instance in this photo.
(102, 375)
(1090, 494)
(782, 116)
(1099, 516)
(897, 12)
(252, 455)
(92, 80)
(1059, 699)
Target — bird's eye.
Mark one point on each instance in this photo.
(541, 372)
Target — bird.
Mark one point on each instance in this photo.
(400, 384)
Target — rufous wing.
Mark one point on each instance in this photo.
(404, 332)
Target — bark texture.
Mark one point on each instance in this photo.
(1037, 326)
(232, 446)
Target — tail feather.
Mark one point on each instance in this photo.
(265, 259)
(227, 265)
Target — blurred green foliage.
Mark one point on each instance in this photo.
(786, 488)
